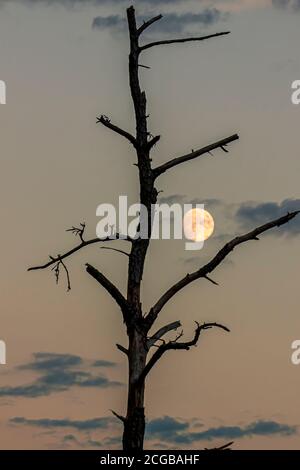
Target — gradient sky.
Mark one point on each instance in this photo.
(64, 63)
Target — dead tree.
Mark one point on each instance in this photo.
(139, 324)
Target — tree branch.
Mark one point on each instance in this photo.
(78, 231)
(83, 244)
(175, 345)
(194, 154)
(161, 332)
(109, 286)
(122, 349)
(115, 249)
(212, 265)
(176, 41)
(153, 142)
(56, 269)
(106, 122)
(223, 447)
(148, 23)
(121, 418)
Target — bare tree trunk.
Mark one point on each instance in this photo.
(134, 423)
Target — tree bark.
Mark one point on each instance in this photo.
(134, 423)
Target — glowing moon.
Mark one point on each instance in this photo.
(198, 225)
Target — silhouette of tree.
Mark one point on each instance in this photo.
(139, 323)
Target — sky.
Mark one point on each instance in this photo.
(64, 63)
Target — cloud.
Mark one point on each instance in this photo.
(88, 442)
(70, 438)
(180, 432)
(57, 373)
(109, 22)
(103, 363)
(165, 426)
(167, 430)
(172, 199)
(251, 214)
(45, 360)
(111, 441)
(170, 23)
(79, 425)
(287, 4)
(68, 441)
(231, 5)
(182, 199)
(71, 3)
(260, 428)
(98, 2)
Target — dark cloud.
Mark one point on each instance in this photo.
(111, 441)
(57, 373)
(167, 430)
(252, 214)
(177, 23)
(80, 425)
(172, 199)
(68, 441)
(69, 3)
(109, 22)
(93, 443)
(70, 438)
(88, 442)
(207, 201)
(99, 2)
(103, 363)
(182, 199)
(170, 23)
(284, 4)
(45, 361)
(179, 432)
(165, 426)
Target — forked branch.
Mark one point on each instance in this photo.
(81, 245)
(162, 331)
(176, 345)
(195, 154)
(212, 265)
(56, 269)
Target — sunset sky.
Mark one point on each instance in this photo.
(64, 63)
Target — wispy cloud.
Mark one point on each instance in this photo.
(293, 5)
(96, 2)
(79, 425)
(170, 23)
(166, 430)
(103, 363)
(180, 432)
(172, 199)
(57, 373)
(166, 426)
(250, 214)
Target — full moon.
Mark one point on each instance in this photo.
(198, 225)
